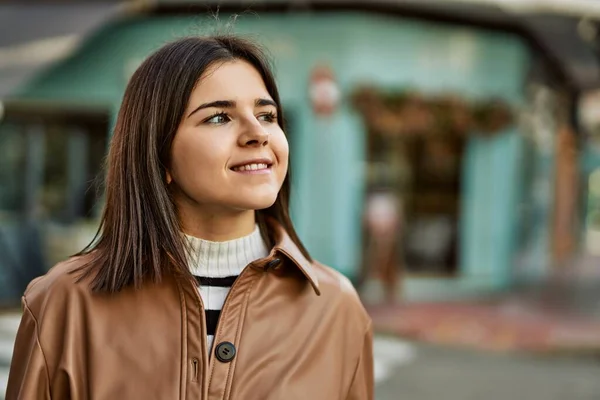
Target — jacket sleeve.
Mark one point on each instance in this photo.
(28, 376)
(362, 386)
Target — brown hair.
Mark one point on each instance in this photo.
(139, 237)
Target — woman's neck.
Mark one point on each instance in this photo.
(218, 227)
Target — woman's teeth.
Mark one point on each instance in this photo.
(251, 167)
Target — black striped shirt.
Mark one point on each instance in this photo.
(213, 292)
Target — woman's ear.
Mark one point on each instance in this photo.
(169, 178)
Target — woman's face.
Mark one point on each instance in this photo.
(229, 153)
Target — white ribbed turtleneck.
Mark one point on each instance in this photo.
(229, 258)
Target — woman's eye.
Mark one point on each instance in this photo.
(218, 119)
(268, 117)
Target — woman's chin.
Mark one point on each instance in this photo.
(260, 205)
(255, 202)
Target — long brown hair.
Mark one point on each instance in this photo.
(139, 237)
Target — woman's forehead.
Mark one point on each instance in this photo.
(233, 80)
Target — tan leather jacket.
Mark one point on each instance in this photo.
(293, 331)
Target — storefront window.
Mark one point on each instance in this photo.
(50, 170)
(12, 165)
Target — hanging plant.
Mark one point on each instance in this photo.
(408, 113)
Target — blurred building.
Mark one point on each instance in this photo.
(467, 113)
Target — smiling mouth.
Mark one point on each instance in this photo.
(252, 167)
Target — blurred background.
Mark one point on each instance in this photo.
(446, 158)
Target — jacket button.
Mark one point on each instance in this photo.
(225, 352)
(273, 264)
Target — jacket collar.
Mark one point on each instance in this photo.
(286, 246)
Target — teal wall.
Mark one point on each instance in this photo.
(490, 205)
(328, 153)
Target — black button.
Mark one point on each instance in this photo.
(225, 352)
(273, 263)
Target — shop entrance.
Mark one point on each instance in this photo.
(415, 150)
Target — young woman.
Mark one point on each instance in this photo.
(197, 286)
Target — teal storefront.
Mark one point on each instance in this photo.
(328, 152)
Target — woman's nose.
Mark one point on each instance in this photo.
(254, 135)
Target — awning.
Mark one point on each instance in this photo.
(551, 27)
(33, 36)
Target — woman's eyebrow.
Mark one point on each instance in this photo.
(215, 104)
(264, 102)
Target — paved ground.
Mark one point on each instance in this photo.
(412, 371)
(499, 325)
(558, 314)
(459, 374)
(8, 327)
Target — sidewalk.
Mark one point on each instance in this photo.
(560, 314)
(9, 322)
(505, 325)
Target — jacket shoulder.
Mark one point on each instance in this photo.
(338, 289)
(60, 282)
